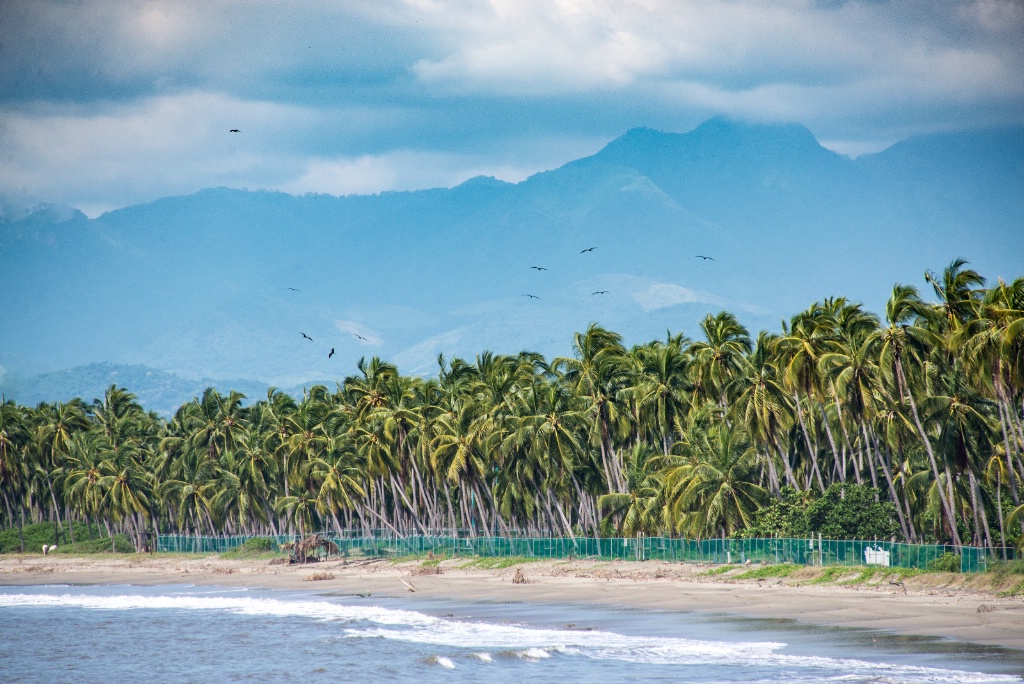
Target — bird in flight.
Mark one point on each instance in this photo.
(331, 353)
(234, 130)
(294, 289)
(531, 296)
(588, 249)
(600, 292)
(360, 337)
(705, 258)
(306, 336)
(539, 268)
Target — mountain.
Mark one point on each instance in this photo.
(199, 285)
(156, 390)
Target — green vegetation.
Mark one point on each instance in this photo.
(497, 563)
(781, 570)
(947, 562)
(845, 423)
(38, 534)
(844, 511)
(122, 544)
(716, 571)
(253, 548)
(828, 576)
(1006, 569)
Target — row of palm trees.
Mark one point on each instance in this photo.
(676, 436)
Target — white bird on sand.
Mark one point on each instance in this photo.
(53, 548)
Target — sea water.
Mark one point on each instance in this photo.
(198, 634)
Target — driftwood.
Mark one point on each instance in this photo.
(408, 585)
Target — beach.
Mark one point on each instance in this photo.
(966, 608)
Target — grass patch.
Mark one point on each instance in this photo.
(1002, 570)
(257, 547)
(780, 570)
(830, 575)
(1015, 590)
(716, 571)
(497, 562)
(863, 576)
(902, 573)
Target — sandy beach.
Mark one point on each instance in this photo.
(962, 607)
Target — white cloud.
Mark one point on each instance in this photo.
(369, 337)
(357, 96)
(662, 295)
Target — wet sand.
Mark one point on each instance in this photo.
(962, 607)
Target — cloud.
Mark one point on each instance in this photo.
(363, 96)
(662, 295)
(371, 337)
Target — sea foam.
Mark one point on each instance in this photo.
(530, 643)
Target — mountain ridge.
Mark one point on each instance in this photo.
(199, 284)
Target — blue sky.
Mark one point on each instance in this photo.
(105, 104)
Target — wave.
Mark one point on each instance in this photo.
(525, 642)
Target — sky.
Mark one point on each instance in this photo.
(105, 104)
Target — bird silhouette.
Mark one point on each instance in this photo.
(329, 355)
(588, 249)
(539, 268)
(531, 296)
(294, 289)
(600, 292)
(360, 337)
(306, 336)
(234, 130)
(705, 258)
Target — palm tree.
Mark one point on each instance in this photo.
(599, 372)
(905, 339)
(715, 492)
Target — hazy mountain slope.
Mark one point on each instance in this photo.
(200, 284)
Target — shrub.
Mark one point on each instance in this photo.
(947, 562)
(849, 511)
(252, 547)
(785, 516)
(38, 534)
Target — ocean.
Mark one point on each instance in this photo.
(180, 633)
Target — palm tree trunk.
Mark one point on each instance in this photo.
(1004, 421)
(828, 432)
(947, 507)
(807, 442)
(979, 507)
(892, 491)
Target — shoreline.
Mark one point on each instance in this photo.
(959, 607)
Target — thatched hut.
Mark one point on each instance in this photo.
(311, 549)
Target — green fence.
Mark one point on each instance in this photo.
(826, 553)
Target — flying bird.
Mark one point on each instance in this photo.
(600, 292)
(705, 258)
(531, 296)
(360, 337)
(588, 249)
(306, 336)
(234, 130)
(294, 289)
(539, 268)
(331, 353)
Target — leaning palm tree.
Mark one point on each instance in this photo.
(904, 339)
